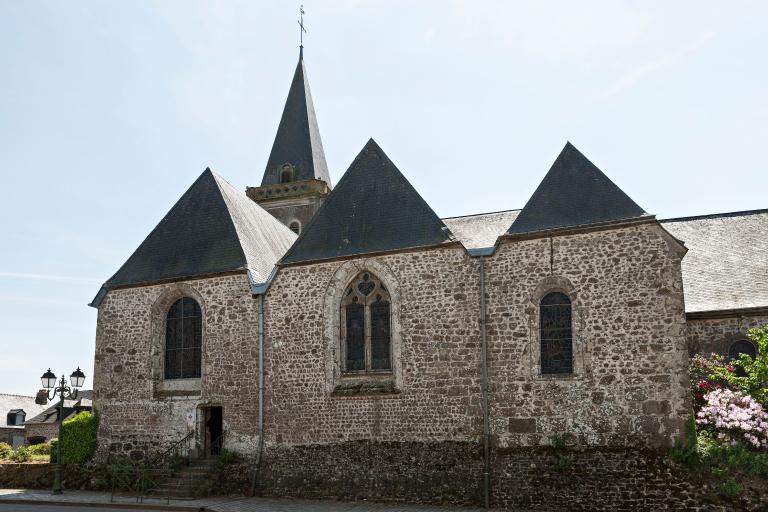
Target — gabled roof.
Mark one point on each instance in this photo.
(480, 231)
(15, 403)
(726, 266)
(83, 402)
(372, 209)
(212, 229)
(574, 193)
(298, 138)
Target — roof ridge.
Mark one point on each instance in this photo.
(741, 213)
(481, 213)
(14, 394)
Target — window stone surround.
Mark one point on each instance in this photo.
(338, 383)
(161, 386)
(580, 353)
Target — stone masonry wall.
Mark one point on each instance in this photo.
(47, 430)
(629, 388)
(439, 395)
(715, 335)
(140, 412)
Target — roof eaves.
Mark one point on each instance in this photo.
(579, 228)
(446, 243)
(743, 213)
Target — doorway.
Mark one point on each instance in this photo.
(214, 431)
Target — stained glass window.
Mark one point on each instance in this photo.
(183, 340)
(366, 323)
(555, 333)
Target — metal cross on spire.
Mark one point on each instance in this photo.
(302, 31)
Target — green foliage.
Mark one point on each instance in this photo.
(557, 442)
(685, 451)
(228, 457)
(22, 454)
(78, 438)
(40, 449)
(755, 379)
(5, 451)
(730, 488)
(562, 463)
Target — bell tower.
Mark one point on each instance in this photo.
(296, 180)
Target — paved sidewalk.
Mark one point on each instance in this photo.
(213, 504)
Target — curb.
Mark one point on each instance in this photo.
(90, 504)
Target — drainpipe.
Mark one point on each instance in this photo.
(484, 390)
(260, 448)
(259, 290)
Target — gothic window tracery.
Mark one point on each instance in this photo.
(183, 340)
(555, 333)
(366, 326)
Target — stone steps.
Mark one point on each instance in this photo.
(183, 482)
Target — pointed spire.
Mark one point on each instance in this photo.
(574, 193)
(372, 209)
(297, 144)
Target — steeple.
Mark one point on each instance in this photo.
(296, 179)
(297, 143)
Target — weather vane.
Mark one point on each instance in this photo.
(301, 24)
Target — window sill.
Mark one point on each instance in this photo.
(558, 376)
(367, 387)
(177, 387)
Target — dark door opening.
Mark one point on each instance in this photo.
(214, 431)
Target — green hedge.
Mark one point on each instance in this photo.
(78, 438)
(5, 450)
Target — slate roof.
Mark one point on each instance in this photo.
(9, 403)
(298, 138)
(372, 209)
(574, 193)
(726, 266)
(481, 230)
(83, 402)
(212, 229)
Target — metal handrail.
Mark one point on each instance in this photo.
(178, 449)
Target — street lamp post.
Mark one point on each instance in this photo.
(63, 391)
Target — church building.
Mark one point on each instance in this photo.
(348, 342)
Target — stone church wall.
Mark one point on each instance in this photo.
(424, 441)
(715, 335)
(630, 355)
(140, 413)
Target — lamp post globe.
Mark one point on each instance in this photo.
(77, 378)
(48, 379)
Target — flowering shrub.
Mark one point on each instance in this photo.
(717, 372)
(734, 417)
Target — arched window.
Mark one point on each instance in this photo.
(295, 226)
(555, 333)
(738, 348)
(286, 173)
(183, 340)
(366, 329)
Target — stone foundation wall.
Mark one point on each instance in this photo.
(141, 413)
(46, 430)
(437, 472)
(451, 473)
(715, 335)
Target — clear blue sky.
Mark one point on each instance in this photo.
(110, 110)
